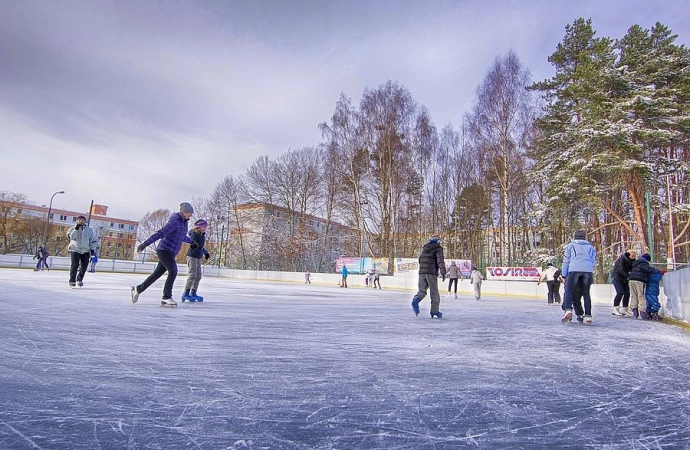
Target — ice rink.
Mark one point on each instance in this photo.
(287, 366)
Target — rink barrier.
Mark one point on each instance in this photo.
(678, 281)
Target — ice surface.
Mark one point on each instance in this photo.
(287, 366)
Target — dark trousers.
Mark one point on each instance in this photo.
(577, 286)
(451, 282)
(622, 293)
(166, 263)
(80, 261)
(553, 296)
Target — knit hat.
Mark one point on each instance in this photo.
(201, 223)
(647, 257)
(580, 234)
(435, 238)
(186, 208)
(81, 217)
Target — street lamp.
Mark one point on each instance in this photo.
(671, 254)
(222, 233)
(50, 208)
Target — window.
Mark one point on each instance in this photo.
(74, 219)
(117, 254)
(63, 217)
(119, 235)
(112, 224)
(122, 225)
(118, 245)
(52, 215)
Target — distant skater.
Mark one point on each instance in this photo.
(476, 279)
(82, 244)
(39, 256)
(307, 276)
(453, 274)
(549, 275)
(431, 263)
(94, 261)
(343, 280)
(172, 235)
(377, 279)
(194, 255)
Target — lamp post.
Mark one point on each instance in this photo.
(222, 233)
(50, 208)
(671, 254)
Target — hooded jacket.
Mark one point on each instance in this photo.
(622, 267)
(200, 239)
(171, 235)
(81, 241)
(431, 259)
(453, 271)
(641, 270)
(579, 256)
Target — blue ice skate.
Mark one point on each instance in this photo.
(187, 297)
(197, 297)
(415, 305)
(438, 314)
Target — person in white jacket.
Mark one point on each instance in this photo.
(82, 244)
(552, 277)
(476, 279)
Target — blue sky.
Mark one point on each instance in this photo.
(141, 105)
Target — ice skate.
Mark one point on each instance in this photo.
(80, 283)
(196, 297)
(415, 305)
(616, 311)
(135, 294)
(438, 314)
(72, 284)
(635, 313)
(169, 302)
(626, 312)
(644, 315)
(456, 296)
(581, 319)
(567, 317)
(185, 296)
(588, 320)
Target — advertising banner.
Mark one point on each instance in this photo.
(464, 266)
(358, 266)
(513, 273)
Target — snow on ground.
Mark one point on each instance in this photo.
(285, 366)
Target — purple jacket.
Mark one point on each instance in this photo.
(171, 235)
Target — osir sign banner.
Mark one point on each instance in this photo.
(513, 273)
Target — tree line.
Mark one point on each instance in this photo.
(602, 146)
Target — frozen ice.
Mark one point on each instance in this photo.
(286, 366)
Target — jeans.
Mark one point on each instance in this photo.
(80, 262)
(577, 285)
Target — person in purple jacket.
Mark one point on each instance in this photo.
(172, 235)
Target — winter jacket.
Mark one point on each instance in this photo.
(431, 260)
(548, 274)
(200, 239)
(476, 277)
(652, 287)
(171, 235)
(641, 270)
(579, 256)
(81, 241)
(621, 268)
(453, 271)
(344, 272)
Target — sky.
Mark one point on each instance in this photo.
(141, 105)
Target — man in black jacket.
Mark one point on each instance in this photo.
(430, 264)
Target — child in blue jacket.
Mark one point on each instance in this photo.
(651, 295)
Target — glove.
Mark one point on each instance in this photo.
(443, 278)
(93, 252)
(207, 256)
(141, 247)
(79, 226)
(193, 245)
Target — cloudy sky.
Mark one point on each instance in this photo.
(143, 104)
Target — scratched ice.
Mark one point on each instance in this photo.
(285, 366)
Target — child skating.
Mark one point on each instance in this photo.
(194, 255)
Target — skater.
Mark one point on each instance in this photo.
(453, 274)
(94, 261)
(39, 256)
(377, 279)
(194, 255)
(431, 263)
(82, 244)
(343, 272)
(307, 276)
(651, 295)
(620, 275)
(578, 268)
(639, 275)
(171, 235)
(476, 279)
(557, 280)
(549, 275)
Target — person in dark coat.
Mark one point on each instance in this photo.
(619, 275)
(194, 255)
(431, 263)
(638, 279)
(171, 236)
